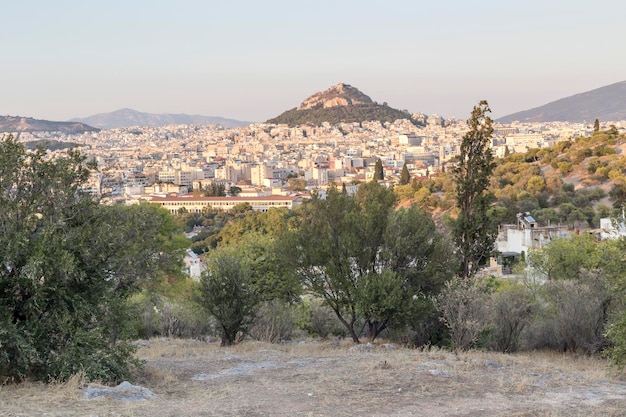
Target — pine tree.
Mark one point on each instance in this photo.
(596, 125)
(474, 232)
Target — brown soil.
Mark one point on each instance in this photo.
(193, 378)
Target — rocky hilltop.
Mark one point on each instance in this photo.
(341, 103)
(18, 124)
(338, 95)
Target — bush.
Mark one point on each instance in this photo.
(318, 320)
(574, 314)
(226, 293)
(94, 358)
(565, 167)
(156, 315)
(512, 309)
(464, 309)
(276, 321)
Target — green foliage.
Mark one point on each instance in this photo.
(269, 257)
(474, 232)
(464, 309)
(261, 238)
(227, 294)
(153, 313)
(512, 310)
(379, 173)
(89, 354)
(234, 190)
(382, 300)
(317, 319)
(614, 267)
(535, 184)
(618, 194)
(341, 114)
(68, 265)
(211, 222)
(565, 167)
(297, 184)
(583, 297)
(213, 190)
(405, 176)
(565, 258)
(351, 248)
(275, 322)
(576, 312)
(562, 146)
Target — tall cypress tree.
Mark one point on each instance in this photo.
(405, 177)
(379, 175)
(474, 232)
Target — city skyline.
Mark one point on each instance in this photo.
(252, 61)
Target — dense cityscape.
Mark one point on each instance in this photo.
(138, 162)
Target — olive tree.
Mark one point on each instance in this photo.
(370, 264)
(227, 294)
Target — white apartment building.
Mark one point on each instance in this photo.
(259, 173)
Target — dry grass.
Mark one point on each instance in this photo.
(193, 378)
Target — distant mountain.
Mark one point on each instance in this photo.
(340, 103)
(28, 124)
(129, 118)
(605, 103)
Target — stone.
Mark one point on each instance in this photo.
(123, 392)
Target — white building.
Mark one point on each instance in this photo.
(611, 229)
(193, 265)
(513, 240)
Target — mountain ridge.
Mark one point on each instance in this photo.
(127, 117)
(607, 103)
(21, 124)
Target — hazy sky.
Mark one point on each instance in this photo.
(251, 60)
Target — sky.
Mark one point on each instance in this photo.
(252, 60)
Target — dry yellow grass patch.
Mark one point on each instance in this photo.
(193, 378)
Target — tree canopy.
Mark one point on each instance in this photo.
(367, 261)
(68, 263)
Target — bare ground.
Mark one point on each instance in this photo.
(193, 378)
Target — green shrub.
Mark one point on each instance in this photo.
(317, 320)
(276, 321)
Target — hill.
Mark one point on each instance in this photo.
(129, 118)
(9, 124)
(341, 103)
(606, 103)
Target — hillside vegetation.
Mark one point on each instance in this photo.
(575, 182)
(344, 114)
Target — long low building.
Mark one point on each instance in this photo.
(198, 204)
